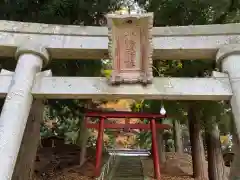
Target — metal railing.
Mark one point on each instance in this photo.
(106, 168)
(130, 152)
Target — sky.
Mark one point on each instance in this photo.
(134, 6)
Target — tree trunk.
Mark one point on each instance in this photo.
(24, 168)
(198, 157)
(178, 137)
(235, 166)
(216, 166)
(161, 147)
(83, 136)
(82, 142)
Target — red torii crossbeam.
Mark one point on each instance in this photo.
(101, 125)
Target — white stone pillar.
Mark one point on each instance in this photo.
(17, 105)
(229, 58)
(24, 168)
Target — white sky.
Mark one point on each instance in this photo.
(134, 6)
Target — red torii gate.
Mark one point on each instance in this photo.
(100, 126)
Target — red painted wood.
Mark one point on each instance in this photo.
(127, 122)
(123, 114)
(99, 147)
(128, 126)
(155, 150)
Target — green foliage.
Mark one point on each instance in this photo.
(68, 120)
(58, 11)
(45, 132)
(111, 142)
(144, 139)
(107, 73)
(85, 68)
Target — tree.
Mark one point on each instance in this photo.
(216, 166)
(178, 137)
(198, 156)
(213, 118)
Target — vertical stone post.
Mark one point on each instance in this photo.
(17, 105)
(229, 58)
(24, 167)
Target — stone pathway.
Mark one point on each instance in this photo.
(127, 168)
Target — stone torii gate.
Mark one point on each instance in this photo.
(33, 44)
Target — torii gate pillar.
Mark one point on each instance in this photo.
(16, 108)
(229, 58)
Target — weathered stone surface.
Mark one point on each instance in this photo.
(130, 47)
(24, 168)
(79, 42)
(94, 87)
(127, 168)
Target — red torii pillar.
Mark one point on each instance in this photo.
(155, 150)
(120, 114)
(99, 146)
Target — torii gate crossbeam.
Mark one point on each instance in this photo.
(88, 42)
(216, 88)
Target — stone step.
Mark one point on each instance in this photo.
(127, 175)
(128, 168)
(124, 171)
(129, 178)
